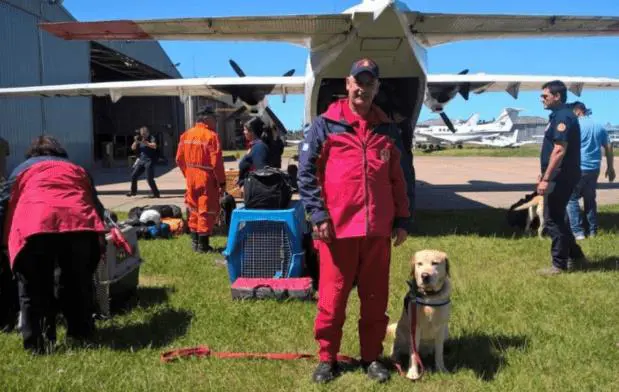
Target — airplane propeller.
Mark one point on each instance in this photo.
(250, 95)
(447, 122)
(446, 94)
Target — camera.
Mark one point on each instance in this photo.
(138, 137)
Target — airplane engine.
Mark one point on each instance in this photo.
(437, 98)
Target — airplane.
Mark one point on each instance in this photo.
(501, 141)
(387, 31)
(470, 130)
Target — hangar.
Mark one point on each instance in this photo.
(84, 125)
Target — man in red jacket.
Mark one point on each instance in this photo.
(352, 185)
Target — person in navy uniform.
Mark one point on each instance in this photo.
(560, 173)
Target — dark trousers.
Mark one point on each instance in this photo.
(139, 168)
(77, 255)
(564, 245)
(9, 301)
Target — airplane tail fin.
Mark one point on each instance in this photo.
(508, 118)
(473, 120)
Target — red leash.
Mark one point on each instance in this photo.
(412, 316)
(205, 351)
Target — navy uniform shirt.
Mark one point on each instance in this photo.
(146, 153)
(562, 126)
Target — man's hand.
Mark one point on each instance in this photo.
(539, 178)
(542, 186)
(399, 235)
(324, 231)
(610, 174)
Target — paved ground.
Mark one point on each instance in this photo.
(442, 183)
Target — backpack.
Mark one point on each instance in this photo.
(177, 225)
(267, 189)
(167, 210)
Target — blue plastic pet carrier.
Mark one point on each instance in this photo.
(266, 243)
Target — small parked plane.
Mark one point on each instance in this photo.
(434, 136)
(502, 141)
(387, 31)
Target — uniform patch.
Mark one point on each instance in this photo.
(561, 127)
(385, 154)
(305, 147)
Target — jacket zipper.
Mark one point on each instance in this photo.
(365, 184)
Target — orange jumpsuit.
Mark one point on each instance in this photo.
(200, 159)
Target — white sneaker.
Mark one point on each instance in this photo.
(579, 237)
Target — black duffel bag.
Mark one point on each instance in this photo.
(267, 189)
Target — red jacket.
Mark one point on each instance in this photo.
(47, 195)
(350, 172)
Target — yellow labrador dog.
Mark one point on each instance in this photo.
(429, 294)
(535, 208)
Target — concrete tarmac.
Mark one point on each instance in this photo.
(443, 183)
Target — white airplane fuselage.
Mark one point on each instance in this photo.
(381, 34)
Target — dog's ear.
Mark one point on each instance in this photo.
(447, 265)
(413, 262)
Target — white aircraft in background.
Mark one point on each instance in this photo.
(387, 31)
(433, 136)
(501, 141)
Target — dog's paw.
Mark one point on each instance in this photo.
(413, 374)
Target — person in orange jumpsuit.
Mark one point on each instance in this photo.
(200, 159)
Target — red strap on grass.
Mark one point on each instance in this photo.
(205, 351)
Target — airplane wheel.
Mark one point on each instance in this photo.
(431, 147)
(459, 146)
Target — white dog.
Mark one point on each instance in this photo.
(430, 291)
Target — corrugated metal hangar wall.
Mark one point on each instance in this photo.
(30, 56)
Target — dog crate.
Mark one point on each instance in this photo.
(266, 243)
(116, 278)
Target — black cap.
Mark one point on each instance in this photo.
(206, 111)
(581, 106)
(364, 65)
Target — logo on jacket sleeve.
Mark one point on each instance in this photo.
(385, 154)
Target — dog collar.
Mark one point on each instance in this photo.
(432, 302)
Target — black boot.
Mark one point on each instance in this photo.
(194, 241)
(203, 244)
(325, 372)
(377, 371)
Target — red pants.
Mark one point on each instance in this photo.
(342, 262)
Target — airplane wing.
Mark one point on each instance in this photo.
(512, 84)
(435, 29)
(305, 30)
(215, 87)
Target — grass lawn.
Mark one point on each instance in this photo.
(511, 330)
(532, 150)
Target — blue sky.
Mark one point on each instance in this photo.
(566, 56)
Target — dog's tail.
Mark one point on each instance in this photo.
(391, 329)
(533, 202)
